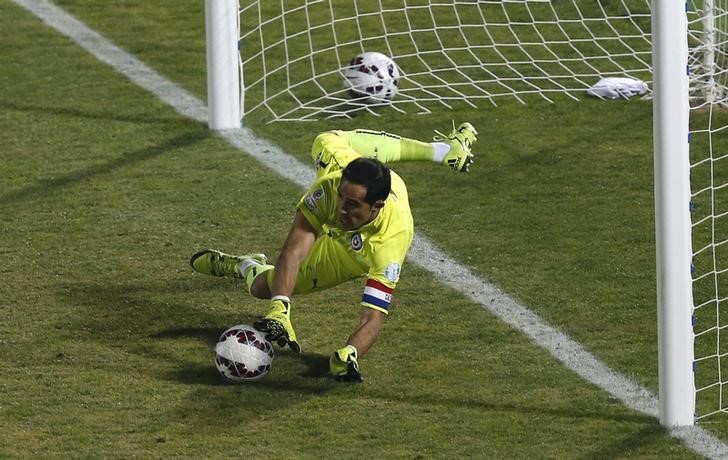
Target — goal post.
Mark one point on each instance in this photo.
(671, 110)
(224, 79)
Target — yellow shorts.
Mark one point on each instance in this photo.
(332, 151)
(326, 266)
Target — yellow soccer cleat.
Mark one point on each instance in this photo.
(216, 263)
(461, 139)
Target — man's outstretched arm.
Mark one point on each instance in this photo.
(298, 244)
(277, 323)
(344, 363)
(366, 333)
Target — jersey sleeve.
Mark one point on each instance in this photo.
(317, 204)
(384, 274)
(377, 296)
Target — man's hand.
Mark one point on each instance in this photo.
(277, 324)
(344, 365)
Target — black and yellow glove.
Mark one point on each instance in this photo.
(344, 365)
(277, 324)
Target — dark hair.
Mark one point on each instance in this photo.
(373, 175)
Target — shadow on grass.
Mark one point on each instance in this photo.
(209, 335)
(307, 376)
(294, 379)
(651, 433)
(103, 114)
(431, 401)
(307, 373)
(140, 312)
(315, 365)
(50, 186)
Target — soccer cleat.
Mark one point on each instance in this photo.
(216, 263)
(277, 325)
(461, 139)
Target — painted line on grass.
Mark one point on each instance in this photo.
(423, 252)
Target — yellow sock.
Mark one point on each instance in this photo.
(255, 270)
(387, 147)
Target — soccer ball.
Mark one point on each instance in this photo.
(372, 77)
(242, 354)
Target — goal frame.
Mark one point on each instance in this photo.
(673, 230)
(224, 72)
(671, 110)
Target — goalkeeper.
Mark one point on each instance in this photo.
(353, 222)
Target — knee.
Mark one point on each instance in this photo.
(319, 144)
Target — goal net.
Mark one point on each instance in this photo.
(452, 54)
(708, 61)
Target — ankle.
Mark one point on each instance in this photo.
(441, 149)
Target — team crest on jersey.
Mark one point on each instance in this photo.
(392, 272)
(313, 197)
(310, 202)
(319, 160)
(356, 242)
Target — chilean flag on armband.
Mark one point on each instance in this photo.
(377, 294)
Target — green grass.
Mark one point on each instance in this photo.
(106, 335)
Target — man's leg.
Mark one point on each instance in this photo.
(216, 263)
(331, 151)
(452, 150)
(387, 147)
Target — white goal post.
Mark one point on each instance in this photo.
(284, 61)
(224, 79)
(672, 213)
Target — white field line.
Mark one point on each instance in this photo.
(423, 252)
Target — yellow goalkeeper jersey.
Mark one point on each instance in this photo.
(375, 250)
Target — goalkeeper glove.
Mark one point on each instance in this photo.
(344, 365)
(277, 324)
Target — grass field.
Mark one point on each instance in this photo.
(106, 335)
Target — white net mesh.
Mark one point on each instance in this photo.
(708, 58)
(709, 183)
(453, 52)
(466, 53)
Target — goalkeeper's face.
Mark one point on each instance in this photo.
(353, 210)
